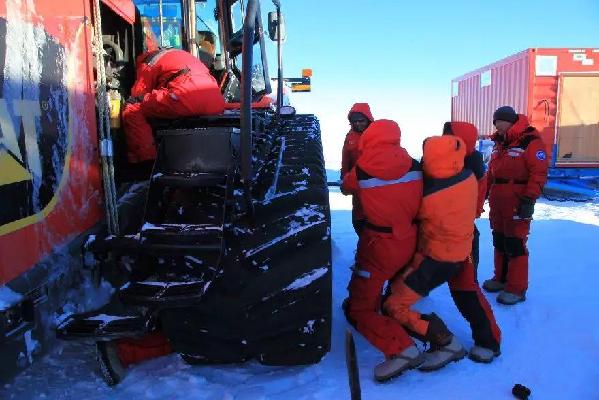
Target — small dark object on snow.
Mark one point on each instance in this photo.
(520, 391)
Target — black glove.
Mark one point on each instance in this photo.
(526, 208)
(134, 99)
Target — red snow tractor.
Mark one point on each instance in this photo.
(222, 243)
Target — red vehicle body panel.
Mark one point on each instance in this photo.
(74, 203)
(528, 81)
(124, 8)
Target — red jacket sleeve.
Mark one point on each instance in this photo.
(537, 164)
(345, 158)
(350, 182)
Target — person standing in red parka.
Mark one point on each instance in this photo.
(388, 184)
(463, 286)
(170, 83)
(359, 118)
(517, 174)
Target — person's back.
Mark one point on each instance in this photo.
(449, 203)
(187, 79)
(389, 180)
(170, 83)
(388, 184)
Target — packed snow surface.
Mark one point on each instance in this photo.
(550, 342)
(8, 297)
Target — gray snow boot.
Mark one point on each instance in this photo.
(509, 299)
(396, 365)
(492, 286)
(439, 356)
(482, 354)
(110, 365)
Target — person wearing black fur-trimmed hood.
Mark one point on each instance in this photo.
(517, 174)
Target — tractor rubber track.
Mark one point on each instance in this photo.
(273, 300)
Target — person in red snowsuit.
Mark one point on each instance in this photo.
(359, 118)
(463, 286)
(170, 83)
(388, 184)
(517, 174)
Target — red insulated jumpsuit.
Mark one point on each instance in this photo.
(388, 183)
(170, 84)
(518, 169)
(445, 233)
(463, 286)
(349, 156)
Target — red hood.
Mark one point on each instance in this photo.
(518, 130)
(467, 132)
(381, 153)
(362, 108)
(443, 156)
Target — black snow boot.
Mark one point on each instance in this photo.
(111, 368)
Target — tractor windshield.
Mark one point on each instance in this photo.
(162, 23)
(259, 71)
(207, 24)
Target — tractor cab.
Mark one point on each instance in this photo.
(211, 30)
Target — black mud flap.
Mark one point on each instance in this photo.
(98, 325)
(164, 294)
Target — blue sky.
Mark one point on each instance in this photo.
(400, 56)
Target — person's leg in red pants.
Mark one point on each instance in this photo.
(380, 256)
(516, 236)
(138, 134)
(116, 355)
(427, 275)
(378, 260)
(511, 255)
(133, 351)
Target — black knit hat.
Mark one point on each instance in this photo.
(505, 113)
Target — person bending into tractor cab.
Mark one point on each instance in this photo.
(359, 118)
(388, 184)
(517, 174)
(445, 233)
(463, 286)
(170, 83)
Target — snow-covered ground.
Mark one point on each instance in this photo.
(550, 342)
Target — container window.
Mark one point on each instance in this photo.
(546, 65)
(485, 79)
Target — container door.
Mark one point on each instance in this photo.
(578, 120)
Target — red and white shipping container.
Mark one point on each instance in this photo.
(556, 88)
